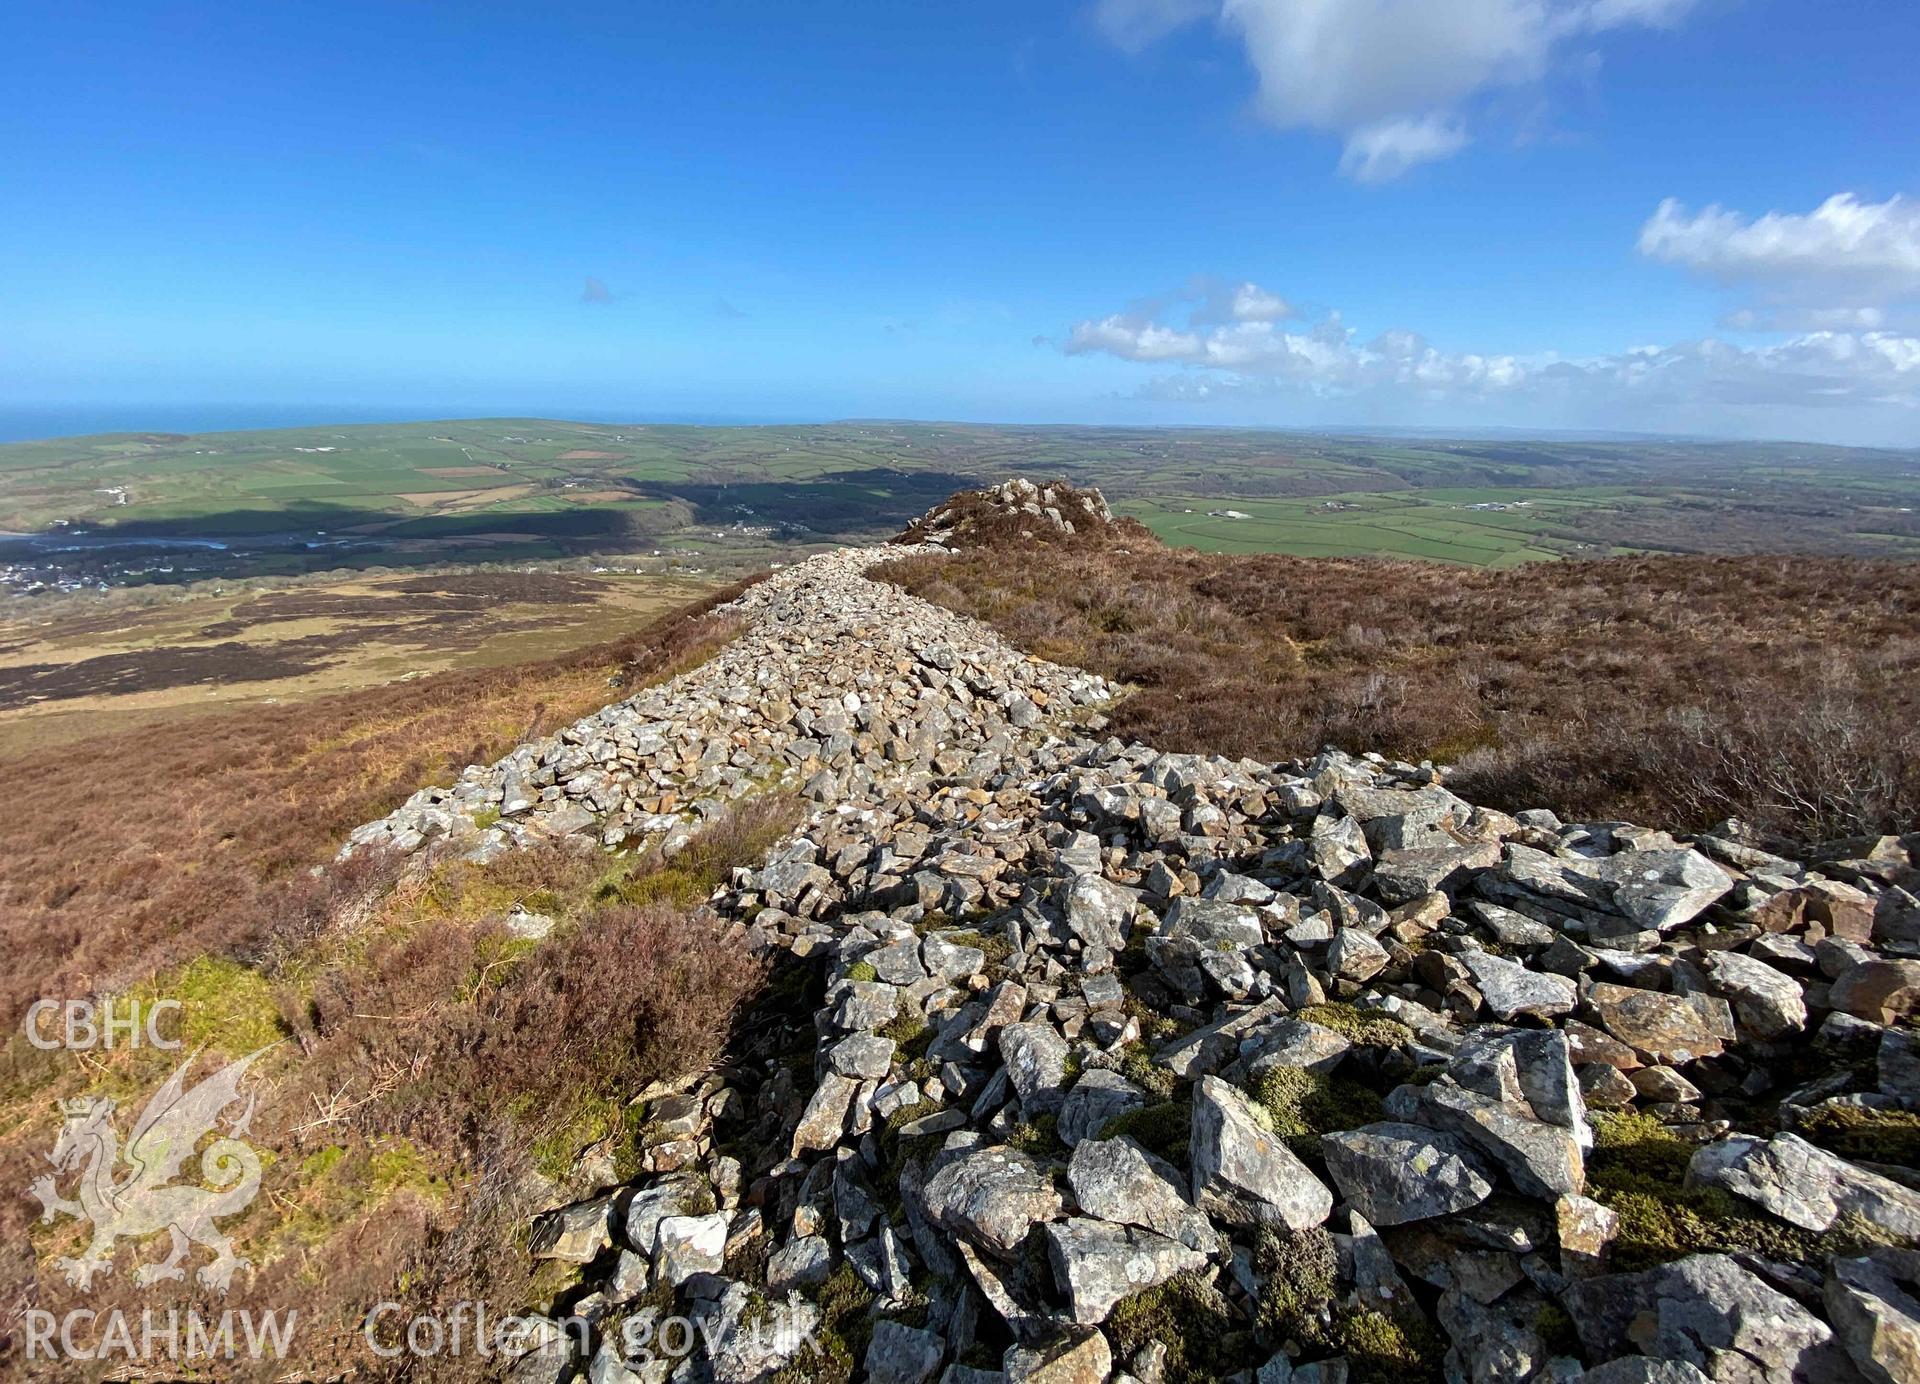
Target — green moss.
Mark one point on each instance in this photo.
(1157, 1026)
(1362, 1026)
(862, 971)
(846, 1325)
(1638, 1168)
(912, 1035)
(1303, 1105)
(1873, 1136)
(1298, 1271)
(997, 946)
(1387, 1350)
(486, 817)
(669, 885)
(1038, 1138)
(336, 1185)
(1165, 1130)
(1630, 1146)
(1204, 1337)
(1556, 1331)
(1137, 1065)
(223, 1006)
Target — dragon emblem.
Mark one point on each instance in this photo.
(145, 1200)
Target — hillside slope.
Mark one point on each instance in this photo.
(920, 1007)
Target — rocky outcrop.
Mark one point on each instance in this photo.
(1318, 1046)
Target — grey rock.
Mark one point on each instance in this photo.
(900, 1354)
(802, 1262)
(1242, 1173)
(1096, 1098)
(575, 1234)
(865, 1056)
(1766, 1003)
(1116, 1180)
(1099, 1263)
(1804, 1184)
(993, 1196)
(1077, 1356)
(677, 1194)
(1036, 1058)
(825, 1118)
(1511, 990)
(1396, 1173)
(1874, 1304)
(1098, 911)
(1639, 1369)
(1353, 955)
(866, 1004)
(1705, 1311)
(947, 960)
(1541, 1159)
(687, 1245)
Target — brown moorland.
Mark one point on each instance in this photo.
(1784, 690)
(133, 852)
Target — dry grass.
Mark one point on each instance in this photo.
(130, 853)
(1675, 690)
(439, 1081)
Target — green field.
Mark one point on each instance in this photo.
(490, 489)
(1439, 525)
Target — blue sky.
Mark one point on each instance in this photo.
(1676, 215)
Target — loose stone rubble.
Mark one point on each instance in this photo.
(1318, 1045)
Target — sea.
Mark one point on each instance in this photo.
(33, 423)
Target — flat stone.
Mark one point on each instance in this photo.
(574, 1234)
(802, 1262)
(901, 1354)
(1099, 1264)
(1511, 990)
(866, 1004)
(1116, 1180)
(825, 1118)
(1673, 1029)
(1541, 1159)
(688, 1245)
(865, 1056)
(1805, 1185)
(1396, 1173)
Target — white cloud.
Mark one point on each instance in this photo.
(1817, 370)
(1788, 319)
(1393, 78)
(1135, 24)
(1841, 241)
(1252, 303)
(1381, 153)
